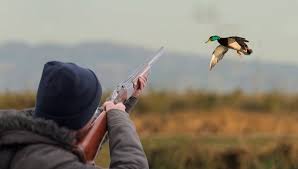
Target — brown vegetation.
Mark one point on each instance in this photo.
(221, 122)
(17, 100)
(197, 129)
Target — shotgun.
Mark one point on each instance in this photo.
(91, 143)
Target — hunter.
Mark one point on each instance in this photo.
(45, 137)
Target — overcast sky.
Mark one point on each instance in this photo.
(179, 25)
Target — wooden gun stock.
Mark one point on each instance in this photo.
(88, 146)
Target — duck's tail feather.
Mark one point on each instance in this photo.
(247, 51)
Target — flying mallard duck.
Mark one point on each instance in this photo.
(233, 42)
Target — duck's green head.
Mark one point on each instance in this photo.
(213, 38)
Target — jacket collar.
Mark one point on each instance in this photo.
(22, 128)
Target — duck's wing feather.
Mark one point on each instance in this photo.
(217, 55)
(237, 38)
(241, 41)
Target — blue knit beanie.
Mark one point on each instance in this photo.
(67, 94)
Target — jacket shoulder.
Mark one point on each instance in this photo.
(47, 156)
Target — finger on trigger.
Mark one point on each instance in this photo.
(142, 85)
(143, 78)
(141, 81)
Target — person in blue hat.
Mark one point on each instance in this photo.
(67, 97)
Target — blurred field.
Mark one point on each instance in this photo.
(217, 152)
(164, 102)
(222, 122)
(17, 100)
(197, 129)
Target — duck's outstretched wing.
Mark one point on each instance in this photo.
(217, 55)
(241, 41)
